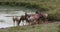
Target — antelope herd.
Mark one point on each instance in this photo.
(36, 18)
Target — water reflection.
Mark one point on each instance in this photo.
(7, 21)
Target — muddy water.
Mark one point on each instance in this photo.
(7, 21)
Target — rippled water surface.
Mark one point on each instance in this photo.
(7, 21)
(11, 11)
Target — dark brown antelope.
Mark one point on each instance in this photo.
(44, 17)
(15, 19)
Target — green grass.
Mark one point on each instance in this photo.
(59, 28)
(33, 28)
